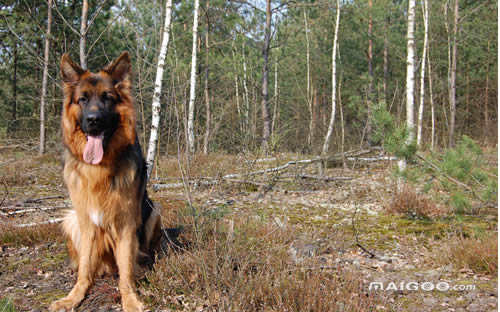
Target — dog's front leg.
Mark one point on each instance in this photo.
(87, 263)
(126, 253)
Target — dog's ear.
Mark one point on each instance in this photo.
(70, 71)
(119, 69)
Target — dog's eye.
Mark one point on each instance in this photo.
(82, 100)
(107, 97)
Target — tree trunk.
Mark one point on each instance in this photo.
(386, 61)
(14, 89)
(326, 144)
(410, 79)
(452, 86)
(83, 34)
(266, 126)
(207, 95)
(276, 102)
(237, 90)
(487, 97)
(369, 96)
(192, 93)
(156, 106)
(246, 99)
(310, 135)
(431, 98)
(44, 78)
(422, 72)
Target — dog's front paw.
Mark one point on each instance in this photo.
(63, 305)
(130, 303)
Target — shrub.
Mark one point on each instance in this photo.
(407, 202)
(479, 254)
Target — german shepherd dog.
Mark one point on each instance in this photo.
(112, 222)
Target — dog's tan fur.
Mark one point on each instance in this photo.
(102, 227)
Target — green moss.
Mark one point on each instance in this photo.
(46, 298)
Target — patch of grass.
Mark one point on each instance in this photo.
(244, 265)
(27, 236)
(6, 305)
(479, 254)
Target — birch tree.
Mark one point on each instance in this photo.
(410, 79)
(192, 94)
(44, 78)
(452, 84)
(425, 8)
(326, 144)
(156, 107)
(266, 126)
(83, 34)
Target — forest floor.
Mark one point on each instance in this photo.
(285, 241)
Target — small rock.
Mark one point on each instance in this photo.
(356, 264)
(430, 301)
(474, 307)
(470, 296)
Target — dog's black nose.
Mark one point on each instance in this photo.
(94, 118)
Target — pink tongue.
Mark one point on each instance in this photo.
(93, 151)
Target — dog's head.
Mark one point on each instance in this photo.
(98, 109)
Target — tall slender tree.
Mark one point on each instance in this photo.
(425, 8)
(192, 92)
(452, 83)
(156, 105)
(310, 135)
(83, 34)
(369, 92)
(207, 95)
(410, 79)
(326, 144)
(266, 122)
(44, 78)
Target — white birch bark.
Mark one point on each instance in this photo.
(452, 85)
(422, 72)
(236, 87)
(156, 107)
(246, 110)
(83, 34)
(44, 78)
(192, 94)
(326, 144)
(410, 79)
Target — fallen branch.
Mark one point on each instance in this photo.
(321, 178)
(51, 221)
(37, 200)
(370, 159)
(35, 209)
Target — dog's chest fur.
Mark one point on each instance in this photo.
(104, 195)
